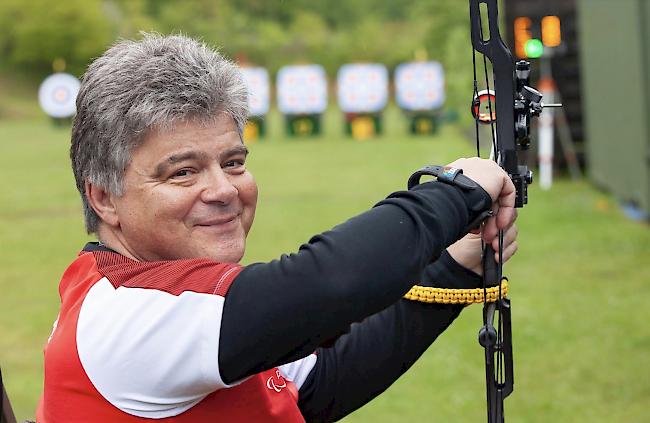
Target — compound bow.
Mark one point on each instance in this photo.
(515, 103)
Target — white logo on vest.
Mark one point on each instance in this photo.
(277, 382)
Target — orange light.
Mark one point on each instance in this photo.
(522, 35)
(551, 32)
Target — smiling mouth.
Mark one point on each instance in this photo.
(219, 222)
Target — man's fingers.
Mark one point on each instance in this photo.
(489, 230)
(504, 211)
(507, 213)
(508, 193)
(509, 236)
(505, 217)
(508, 252)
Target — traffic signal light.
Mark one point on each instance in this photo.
(551, 32)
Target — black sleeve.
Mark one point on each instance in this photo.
(377, 351)
(280, 311)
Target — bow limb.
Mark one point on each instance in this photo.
(504, 85)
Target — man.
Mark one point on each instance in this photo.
(159, 321)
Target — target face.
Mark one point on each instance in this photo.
(420, 86)
(362, 88)
(302, 90)
(257, 81)
(57, 95)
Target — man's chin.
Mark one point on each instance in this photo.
(229, 253)
(224, 248)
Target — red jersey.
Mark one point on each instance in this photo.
(140, 340)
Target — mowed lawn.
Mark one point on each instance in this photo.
(580, 281)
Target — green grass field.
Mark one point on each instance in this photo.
(580, 282)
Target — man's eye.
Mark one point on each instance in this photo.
(234, 163)
(182, 173)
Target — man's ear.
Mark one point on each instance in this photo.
(102, 202)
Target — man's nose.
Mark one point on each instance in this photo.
(219, 187)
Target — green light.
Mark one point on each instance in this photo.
(534, 48)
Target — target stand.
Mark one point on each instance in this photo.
(362, 91)
(363, 126)
(259, 93)
(423, 124)
(302, 98)
(303, 125)
(254, 130)
(420, 93)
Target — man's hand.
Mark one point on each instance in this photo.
(467, 250)
(496, 182)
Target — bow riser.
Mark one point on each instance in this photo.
(497, 340)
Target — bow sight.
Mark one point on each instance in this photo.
(527, 103)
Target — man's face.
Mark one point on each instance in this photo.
(187, 194)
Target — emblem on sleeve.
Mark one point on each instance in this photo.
(276, 382)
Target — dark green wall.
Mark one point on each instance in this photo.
(615, 48)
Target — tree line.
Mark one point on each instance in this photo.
(269, 33)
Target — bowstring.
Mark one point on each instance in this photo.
(500, 368)
(478, 146)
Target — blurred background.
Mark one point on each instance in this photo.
(580, 282)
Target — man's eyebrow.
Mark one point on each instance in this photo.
(240, 149)
(196, 155)
(177, 158)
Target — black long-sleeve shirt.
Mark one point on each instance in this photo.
(349, 281)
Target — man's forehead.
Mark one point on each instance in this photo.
(217, 124)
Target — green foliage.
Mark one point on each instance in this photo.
(39, 31)
(129, 17)
(266, 33)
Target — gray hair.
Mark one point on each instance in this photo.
(137, 87)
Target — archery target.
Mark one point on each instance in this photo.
(302, 90)
(419, 86)
(362, 88)
(257, 81)
(57, 95)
